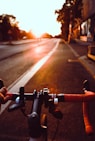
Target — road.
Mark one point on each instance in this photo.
(19, 58)
(62, 72)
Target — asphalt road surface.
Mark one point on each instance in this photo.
(62, 72)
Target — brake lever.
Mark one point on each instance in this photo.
(86, 85)
(19, 101)
(54, 110)
(16, 106)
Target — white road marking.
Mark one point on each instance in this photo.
(21, 81)
(74, 52)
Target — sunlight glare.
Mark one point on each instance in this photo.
(38, 50)
(36, 15)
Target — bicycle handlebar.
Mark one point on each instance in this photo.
(62, 97)
(50, 101)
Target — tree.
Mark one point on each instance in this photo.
(69, 14)
(9, 27)
(5, 26)
(64, 19)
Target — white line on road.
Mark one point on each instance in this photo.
(74, 52)
(21, 81)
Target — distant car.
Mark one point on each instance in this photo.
(91, 51)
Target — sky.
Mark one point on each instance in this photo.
(35, 15)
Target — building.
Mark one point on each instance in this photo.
(87, 25)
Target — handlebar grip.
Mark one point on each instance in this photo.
(85, 106)
(87, 123)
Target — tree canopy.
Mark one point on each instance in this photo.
(9, 29)
(69, 14)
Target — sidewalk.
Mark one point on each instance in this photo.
(18, 42)
(82, 42)
(85, 40)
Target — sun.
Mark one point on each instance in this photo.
(35, 15)
(41, 24)
(40, 18)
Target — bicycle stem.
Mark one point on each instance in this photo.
(34, 118)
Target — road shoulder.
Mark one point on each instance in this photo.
(84, 60)
(88, 64)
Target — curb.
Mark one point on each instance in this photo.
(17, 42)
(82, 42)
(88, 64)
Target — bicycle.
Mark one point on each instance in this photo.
(37, 123)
